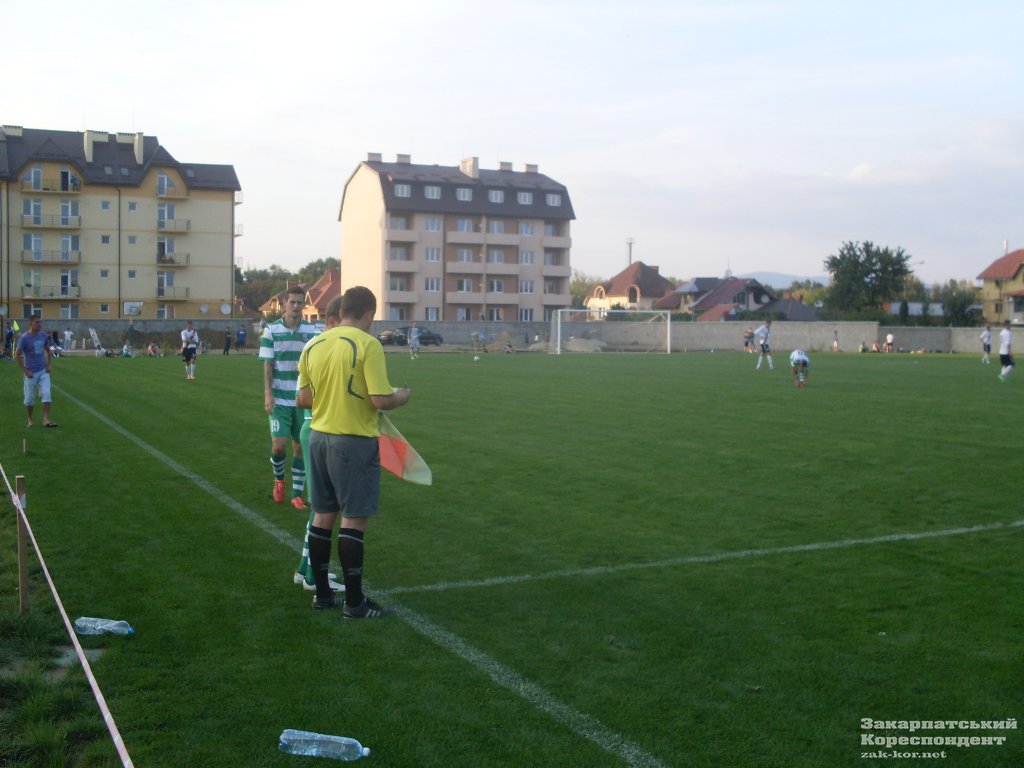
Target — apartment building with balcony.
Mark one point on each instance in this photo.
(451, 243)
(97, 225)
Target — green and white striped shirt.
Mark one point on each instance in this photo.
(281, 345)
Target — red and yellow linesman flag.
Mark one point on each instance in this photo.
(398, 457)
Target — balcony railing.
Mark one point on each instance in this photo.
(174, 225)
(50, 221)
(172, 193)
(51, 257)
(173, 259)
(71, 185)
(50, 292)
(172, 293)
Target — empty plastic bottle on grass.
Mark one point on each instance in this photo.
(86, 625)
(319, 745)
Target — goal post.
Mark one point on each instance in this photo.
(610, 330)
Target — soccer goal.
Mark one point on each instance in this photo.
(610, 330)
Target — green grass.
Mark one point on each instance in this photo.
(561, 542)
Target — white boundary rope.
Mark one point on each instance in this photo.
(108, 718)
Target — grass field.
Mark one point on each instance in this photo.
(640, 560)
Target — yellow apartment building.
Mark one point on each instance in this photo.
(456, 243)
(97, 225)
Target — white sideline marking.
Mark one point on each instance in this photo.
(583, 725)
(690, 559)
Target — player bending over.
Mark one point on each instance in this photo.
(800, 362)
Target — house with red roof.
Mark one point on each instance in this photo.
(319, 295)
(1002, 288)
(636, 287)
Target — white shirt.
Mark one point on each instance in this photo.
(189, 338)
(763, 333)
(986, 336)
(1005, 340)
(798, 356)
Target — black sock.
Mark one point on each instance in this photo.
(320, 559)
(350, 553)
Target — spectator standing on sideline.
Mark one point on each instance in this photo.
(986, 344)
(835, 341)
(1005, 351)
(280, 346)
(343, 378)
(189, 345)
(240, 339)
(9, 340)
(414, 340)
(227, 340)
(33, 357)
(68, 339)
(748, 340)
(764, 334)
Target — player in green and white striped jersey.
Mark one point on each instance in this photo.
(280, 347)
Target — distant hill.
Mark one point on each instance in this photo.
(780, 280)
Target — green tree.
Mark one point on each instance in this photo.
(865, 276)
(582, 285)
(258, 285)
(957, 300)
(313, 271)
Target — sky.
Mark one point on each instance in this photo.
(745, 136)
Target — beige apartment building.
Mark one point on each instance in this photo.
(97, 225)
(456, 243)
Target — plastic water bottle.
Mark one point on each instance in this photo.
(86, 625)
(319, 745)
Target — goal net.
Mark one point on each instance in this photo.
(610, 330)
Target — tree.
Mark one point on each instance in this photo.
(313, 271)
(957, 300)
(865, 276)
(581, 286)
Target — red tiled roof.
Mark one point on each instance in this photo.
(716, 313)
(645, 278)
(1005, 267)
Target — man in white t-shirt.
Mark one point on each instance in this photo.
(764, 336)
(986, 343)
(1005, 351)
(799, 362)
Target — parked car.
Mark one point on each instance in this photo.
(427, 336)
(393, 336)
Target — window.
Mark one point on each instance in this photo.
(463, 194)
(164, 213)
(494, 314)
(433, 254)
(433, 313)
(464, 314)
(69, 244)
(551, 259)
(525, 227)
(32, 211)
(108, 170)
(551, 286)
(526, 257)
(550, 230)
(124, 171)
(35, 177)
(69, 213)
(27, 310)
(68, 311)
(432, 192)
(525, 315)
(399, 253)
(397, 283)
(433, 224)
(496, 256)
(496, 286)
(32, 244)
(164, 311)
(104, 205)
(69, 282)
(105, 308)
(131, 274)
(465, 225)
(432, 285)
(524, 198)
(526, 286)
(165, 250)
(105, 239)
(396, 313)
(133, 239)
(399, 222)
(104, 274)
(133, 207)
(553, 200)
(496, 195)
(464, 285)
(464, 255)
(164, 185)
(164, 283)
(496, 227)
(403, 190)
